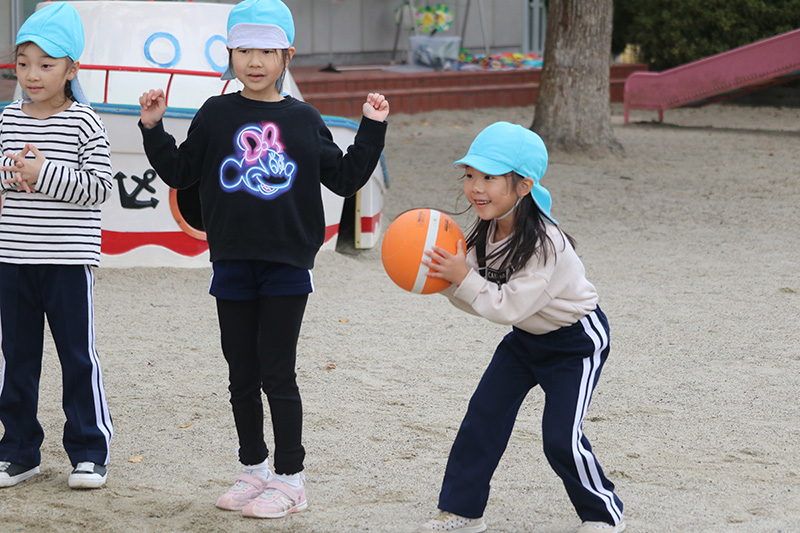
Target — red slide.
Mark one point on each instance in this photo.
(719, 77)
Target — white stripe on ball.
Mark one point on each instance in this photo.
(430, 241)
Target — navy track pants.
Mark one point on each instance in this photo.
(63, 294)
(566, 363)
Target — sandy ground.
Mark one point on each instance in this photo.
(692, 241)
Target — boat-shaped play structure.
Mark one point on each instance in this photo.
(180, 47)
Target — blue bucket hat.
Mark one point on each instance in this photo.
(259, 24)
(503, 147)
(57, 29)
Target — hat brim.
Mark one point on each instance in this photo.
(258, 36)
(48, 47)
(483, 164)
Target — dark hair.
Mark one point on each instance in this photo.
(279, 83)
(67, 86)
(528, 239)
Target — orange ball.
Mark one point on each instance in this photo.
(406, 240)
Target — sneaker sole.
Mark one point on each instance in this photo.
(87, 482)
(230, 506)
(19, 478)
(249, 513)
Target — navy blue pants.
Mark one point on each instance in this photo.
(566, 363)
(63, 294)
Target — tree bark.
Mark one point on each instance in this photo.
(573, 113)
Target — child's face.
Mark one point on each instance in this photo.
(42, 77)
(492, 196)
(259, 70)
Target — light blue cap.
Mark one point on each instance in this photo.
(259, 24)
(57, 29)
(504, 147)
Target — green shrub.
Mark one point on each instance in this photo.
(669, 33)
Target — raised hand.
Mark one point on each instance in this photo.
(154, 105)
(376, 107)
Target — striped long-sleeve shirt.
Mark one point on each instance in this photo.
(59, 223)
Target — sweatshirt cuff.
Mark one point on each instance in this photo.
(158, 129)
(372, 130)
(470, 288)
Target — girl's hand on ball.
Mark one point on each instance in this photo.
(444, 265)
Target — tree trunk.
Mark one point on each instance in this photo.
(573, 113)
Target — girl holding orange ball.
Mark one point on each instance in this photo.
(518, 267)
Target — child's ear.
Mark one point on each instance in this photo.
(524, 187)
(289, 54)
(73, 70)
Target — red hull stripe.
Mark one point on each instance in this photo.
(370, 224)
(331, 232)
(120, 242)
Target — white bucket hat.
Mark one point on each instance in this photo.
(259, 24)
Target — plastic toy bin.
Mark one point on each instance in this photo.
(438, 52)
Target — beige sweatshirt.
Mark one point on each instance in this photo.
(538, 299)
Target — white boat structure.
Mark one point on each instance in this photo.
(180, 47)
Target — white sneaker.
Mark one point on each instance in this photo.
(11, 473)
(601, 527)
(445, 521)
(88, 475)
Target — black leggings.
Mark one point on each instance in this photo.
(259, 341)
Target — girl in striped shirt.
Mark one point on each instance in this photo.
(55, 171)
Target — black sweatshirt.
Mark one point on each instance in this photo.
(260, 166)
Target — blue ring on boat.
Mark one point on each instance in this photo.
(211, 40)
(171, 38)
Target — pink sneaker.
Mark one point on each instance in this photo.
(278, 500)
(246, 489)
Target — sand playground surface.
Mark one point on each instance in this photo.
(692, 242)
